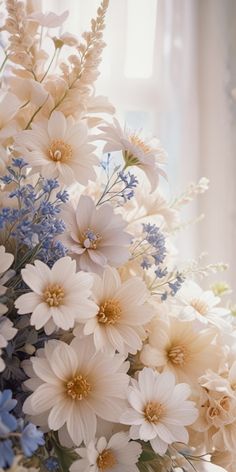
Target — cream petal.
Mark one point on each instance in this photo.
(45, 397)
(84, 212)
(40, 316)
(75, 424)
(57, 125)
(159, 446)
(59, 414)
(43, 370)
(64, 361)
(63, 269)
(147, 431)
(27, 303)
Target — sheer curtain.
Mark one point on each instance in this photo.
(170, 68)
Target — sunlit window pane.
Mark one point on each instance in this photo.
(141, 21)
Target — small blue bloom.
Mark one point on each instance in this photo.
(63, 196)
(31, 438)
(49, 184)
(7, 420)
(19, 163)
(6, 453)
(51, 464)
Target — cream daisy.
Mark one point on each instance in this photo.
(59, 148)
(176, 346)
(74, 386)
(95, 236)
(122, 313)
(119, 454)
(201, 305)
(136, 151)
(159, 410)
(59, 296)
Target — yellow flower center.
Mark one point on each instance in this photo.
(106, 460)
(137, 141)
(54, 295)
(59, 151)
(153, 412)
(199, 306)
(178, 355)
(90, 239)
(109, 312)
(78, 387)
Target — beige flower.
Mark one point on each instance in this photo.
(174, 345)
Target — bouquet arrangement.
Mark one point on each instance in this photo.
(112, 358)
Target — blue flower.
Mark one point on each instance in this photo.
(31, 438)
(6, 453)
(51, 464)
(7, 421)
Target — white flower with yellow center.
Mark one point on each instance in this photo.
(176, 346)
(201, 305)
(59, 296)
(159, 410)
(95, 236)
(119, 454)
(59, 148)
(122, 312)
(145, 154)
(74, 386)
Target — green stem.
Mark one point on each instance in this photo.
(3, 64)
(35, 113)
(49, 66)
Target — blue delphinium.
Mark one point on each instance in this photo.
(51, 464)
(15, 436)
(154, 241)
(6, 453)
(8, 422)
(34, 220)
(31, 438)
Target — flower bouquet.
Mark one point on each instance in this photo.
(112, 357)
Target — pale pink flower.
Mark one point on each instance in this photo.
(145, 154)
(95, 236)
(9, 105)
(49, 19)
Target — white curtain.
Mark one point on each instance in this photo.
(170, 68)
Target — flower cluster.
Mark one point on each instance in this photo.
(112, 357)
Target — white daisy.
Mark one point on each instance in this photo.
(136, 151)
(95, 236)
(201, 305)
(122, 313)
(59, 296)
(159, 410)
(74, 386)
(119, 454)
(59, 148)
(176, 346)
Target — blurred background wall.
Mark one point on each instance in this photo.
(170, 68)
